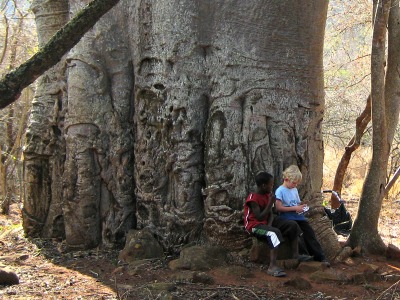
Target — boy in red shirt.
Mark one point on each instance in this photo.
(259, 221)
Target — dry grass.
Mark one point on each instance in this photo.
(356, 170)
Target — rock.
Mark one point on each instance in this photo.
(298, 283)
(259, 252)
(369, 268)
(201, 277)
(362, 278)
(349, 261)
(200, 258)
(309, 266)
(392, 252)
(288, 263)
(328, 274)
(183, 276)
(140, 244)
(23, 257)
(368, 273)
(177, 264)
(357, 251)
(8, 278)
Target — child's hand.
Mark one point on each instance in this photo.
(273, 198)
(300, 208)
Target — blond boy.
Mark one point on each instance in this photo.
(289, 206)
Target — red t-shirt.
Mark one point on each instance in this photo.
(250, 219)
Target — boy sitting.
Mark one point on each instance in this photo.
(259, 221)
(289, 206)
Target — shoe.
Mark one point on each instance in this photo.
(276, 273)
(304, 257)
(325, 263)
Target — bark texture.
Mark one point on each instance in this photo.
(44, 146)
(171, 109)
(365, 230)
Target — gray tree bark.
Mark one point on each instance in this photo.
(172, 107)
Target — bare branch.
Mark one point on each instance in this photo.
(6, 29)
(67, 37)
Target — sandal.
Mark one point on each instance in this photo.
(276, 273)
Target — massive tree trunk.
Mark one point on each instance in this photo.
(172, 107)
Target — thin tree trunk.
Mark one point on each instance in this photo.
(7, 156)
(3, 199)
(361, 124)
(5, 46)
(392, 82)
(365, 229)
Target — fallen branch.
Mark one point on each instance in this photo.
(388, 289)
(228, 288)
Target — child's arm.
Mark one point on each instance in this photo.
(266, 213)
(281, 208)
(260, 215)
(270, 205)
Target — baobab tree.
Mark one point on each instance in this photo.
(163, 113)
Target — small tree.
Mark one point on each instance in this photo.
(385, 110)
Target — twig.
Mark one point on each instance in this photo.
(116, 288)
(234, 297)
(229, 288)
(385, 291)
(211, 296)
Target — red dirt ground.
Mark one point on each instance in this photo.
(46, 272)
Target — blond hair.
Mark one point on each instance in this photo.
(292, 173)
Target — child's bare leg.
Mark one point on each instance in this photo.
(273, 269)
(273, 254)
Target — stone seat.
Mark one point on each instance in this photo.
(259, 251)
